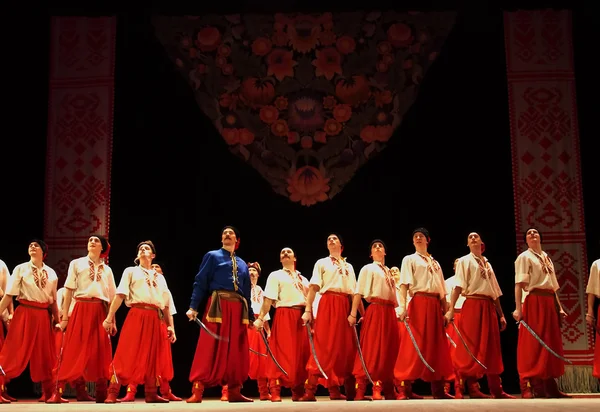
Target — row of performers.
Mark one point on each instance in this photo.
(435, 332)
(304, 350)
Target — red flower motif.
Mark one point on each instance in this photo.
(261, 46)
(329, 102)
(208, 39)
(231, 136)
(345, 44)
(354, 91)
(308, 186)
(256, 93)
(342, 112)
(400, 35)
(268, 114)
(332, 127)
(304, 33)
(246, 137)
(280, 128)
(281, 64)
(281, 103)
(328, 63)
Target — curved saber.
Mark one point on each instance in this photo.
(60, 357)
(360, 355)
(314, 352)
(211, 333)
(256, 352)
(467, 347)
(112, 364)
(264, 337)
(414, 342)
(451, 340)
(535, 335)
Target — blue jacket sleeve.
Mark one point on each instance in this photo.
(202, 281)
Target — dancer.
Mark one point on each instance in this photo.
(30, 340)
(224, 280)
(87, 348)
(379, 339)
(287, 290)
(422, 278)
(534, 274)
(139, 357)
(481, 312)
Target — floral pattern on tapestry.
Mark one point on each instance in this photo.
(305, 99)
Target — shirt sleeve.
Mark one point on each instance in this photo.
(522, 269)
(14, 282)
(202, 280)
(272, 287)
(407, 276)
(365, 282)
(71, 281)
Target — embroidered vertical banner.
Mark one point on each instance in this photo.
(546, 166)
(79, 148)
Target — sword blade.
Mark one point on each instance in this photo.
(451, 340)
(467, 347)
(264, 338)
(112, 364)
(548, 348)
(211, 333)
(414, 342)
(360, 355)
(314, 352)
(60, 356)
(256, 352)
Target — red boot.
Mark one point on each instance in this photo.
(102, 390)
(475, 390)
(526, 391)
(495, 384)
(235, 395)
(263, 389)
(47, 389)
(275, 388)
(388, 391)
(197, 391)
(310, 387)
(437, 390)
(151, 391)
(130, 393)
(361, 389)
(350, 387)
(81, 391)
(112, 393)
(57, 394)
(2, 390)
(166, 392)
(224, 392)
(459, 388)
(335, 394)
(377, 391)
(552, 391)
(297, 392)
